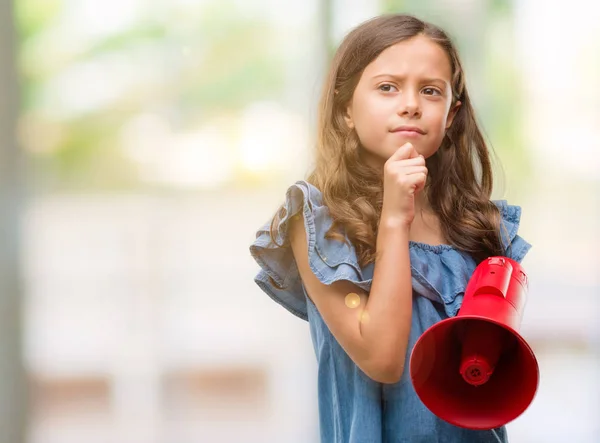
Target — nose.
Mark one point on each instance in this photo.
(409, 104)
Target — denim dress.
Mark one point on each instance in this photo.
(353, 408)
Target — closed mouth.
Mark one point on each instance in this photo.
(408, 129)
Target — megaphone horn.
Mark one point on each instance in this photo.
(475, 370)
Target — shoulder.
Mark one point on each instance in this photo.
(301, 198)
(516, 247)
(510, 214)
(329, 259)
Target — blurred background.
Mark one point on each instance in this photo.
(145, 141)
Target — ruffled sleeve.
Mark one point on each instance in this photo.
(330, 260)
(439, 273)
(515, 246)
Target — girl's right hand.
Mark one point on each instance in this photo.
(404, 175)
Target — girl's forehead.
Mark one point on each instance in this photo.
(418, 56)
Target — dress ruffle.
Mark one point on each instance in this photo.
(439, 272)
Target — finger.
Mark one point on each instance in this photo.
(414, 153)
(416, 181)
(397, 166)
(416, 161)
(402, 153)
(420, 186)
(414, 169)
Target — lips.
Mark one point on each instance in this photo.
(409, 130)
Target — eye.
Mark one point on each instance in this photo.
(386, 87)
(432, 91)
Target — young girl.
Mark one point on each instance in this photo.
(380, 241)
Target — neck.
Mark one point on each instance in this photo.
(422, 203)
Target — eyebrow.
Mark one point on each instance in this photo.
(424, 80)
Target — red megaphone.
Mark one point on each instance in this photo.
(475, 370)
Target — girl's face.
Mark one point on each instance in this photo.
(404, 95)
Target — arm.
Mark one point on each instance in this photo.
(374, 334)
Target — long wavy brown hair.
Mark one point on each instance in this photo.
(459, 182)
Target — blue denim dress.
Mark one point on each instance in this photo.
(352, 407)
